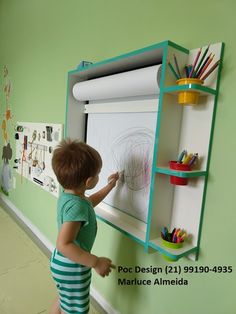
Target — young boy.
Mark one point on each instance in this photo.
(77, 167)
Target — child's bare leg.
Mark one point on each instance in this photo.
(55, 309)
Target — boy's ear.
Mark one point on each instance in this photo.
(88, 182)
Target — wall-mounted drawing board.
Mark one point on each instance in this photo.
(121, 124)
(105, 124)
(35, 143)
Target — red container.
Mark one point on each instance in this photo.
(181, 167)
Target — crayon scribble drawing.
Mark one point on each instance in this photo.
(126, 145)
(132, 153)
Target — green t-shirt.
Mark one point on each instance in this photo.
(71, 207)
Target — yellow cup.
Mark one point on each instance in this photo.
(188, 97)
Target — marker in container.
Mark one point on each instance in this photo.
(193, 159)
(181, 156)
(187, 159)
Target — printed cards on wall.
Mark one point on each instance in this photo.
(35, 143)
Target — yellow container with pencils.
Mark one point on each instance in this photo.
(188, 97)
(194, 74)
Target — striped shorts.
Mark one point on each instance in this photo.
(73, 284)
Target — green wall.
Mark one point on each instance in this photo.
(41, 40)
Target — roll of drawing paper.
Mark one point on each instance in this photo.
(141, 82)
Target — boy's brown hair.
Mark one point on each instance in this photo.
(73, 162)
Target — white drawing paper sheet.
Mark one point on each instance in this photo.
(125, 142)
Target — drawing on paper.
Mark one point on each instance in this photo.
(127, 148)
(132, 155)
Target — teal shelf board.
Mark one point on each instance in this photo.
(203, 90)
(129, 54)
(155, 47)
(181, 174)
(75, 71)
(172, 253)
(174, 45)
(131, 236)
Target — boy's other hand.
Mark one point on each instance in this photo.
(103, 266)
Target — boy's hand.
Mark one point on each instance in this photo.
(112, 179)
(99, 196)
(103, 266)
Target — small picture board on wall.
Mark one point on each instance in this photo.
(35, 143)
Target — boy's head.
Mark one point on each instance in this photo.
(74, 163)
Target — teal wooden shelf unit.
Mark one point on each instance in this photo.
(204, 90)
(181, 174)
(177, 127)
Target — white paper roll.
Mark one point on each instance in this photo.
(139, 82)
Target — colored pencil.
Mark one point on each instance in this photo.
(186, 70)
(202, 66)
(177, 66)
(206, 65)
(195, 62)
(189, 69)
(202, 58)
(173, 70)
(211, 70)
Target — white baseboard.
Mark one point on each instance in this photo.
(41, 237)
(102, 302)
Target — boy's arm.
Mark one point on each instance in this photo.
(97, 197)
(66, 246)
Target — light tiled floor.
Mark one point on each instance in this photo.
(26, 286)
